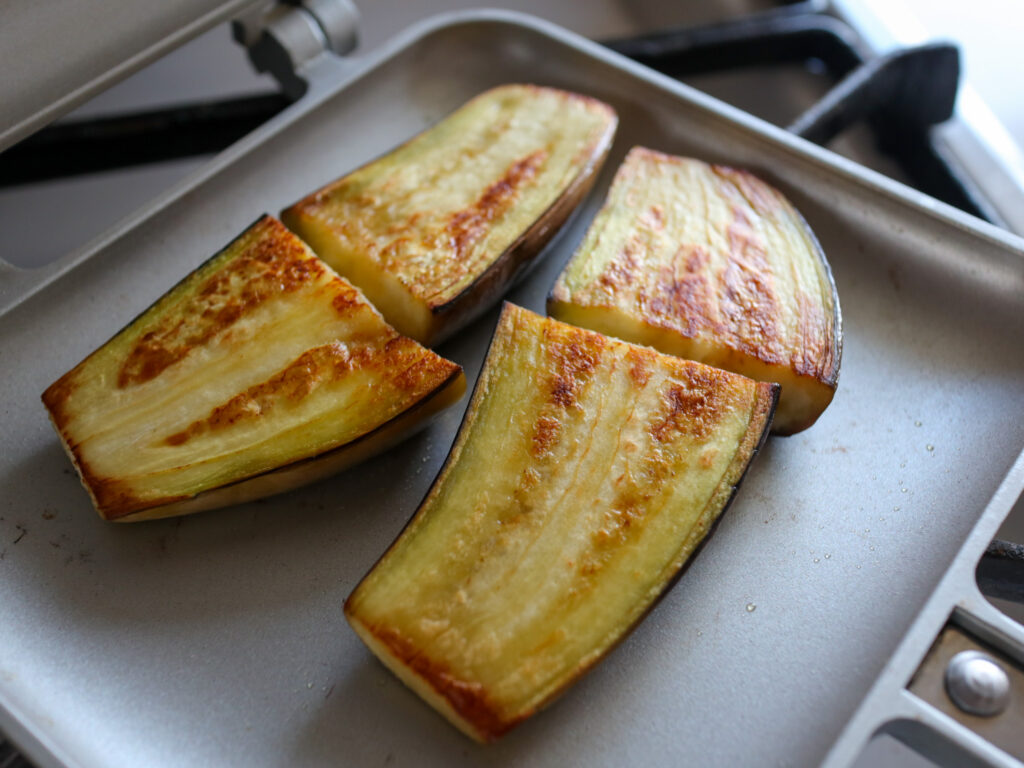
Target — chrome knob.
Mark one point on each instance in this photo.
(977, 684)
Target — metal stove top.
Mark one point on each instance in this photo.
(213, 67)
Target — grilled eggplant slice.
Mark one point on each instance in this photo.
(434, 232)
(711, 264)
(585, 474)
(261, 371)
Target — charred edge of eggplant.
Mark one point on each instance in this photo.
(418, 405)
(832, 379)
(523, 253)
(456, 448)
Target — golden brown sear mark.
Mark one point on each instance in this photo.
(466, 227)
(573, 355)
(625, 518)
(276, 263)
(749, 302)
(293, 383)
(640, 362)
(624, 270)
(545, 435)
(417, 369)
(653, 219)
(693, 406)
(815, 356)
(685, 301)
(347, 300)
(400, 358)
(468, 698)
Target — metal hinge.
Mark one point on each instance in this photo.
(284, 38)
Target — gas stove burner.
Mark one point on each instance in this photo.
(900, 95)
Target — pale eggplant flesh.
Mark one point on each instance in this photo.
(712, 264)
(435, 231)
(260, 371)
(585, 474)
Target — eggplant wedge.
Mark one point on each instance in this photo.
(711, 264)
(260, 371)
(436, 231)
(585, 474)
